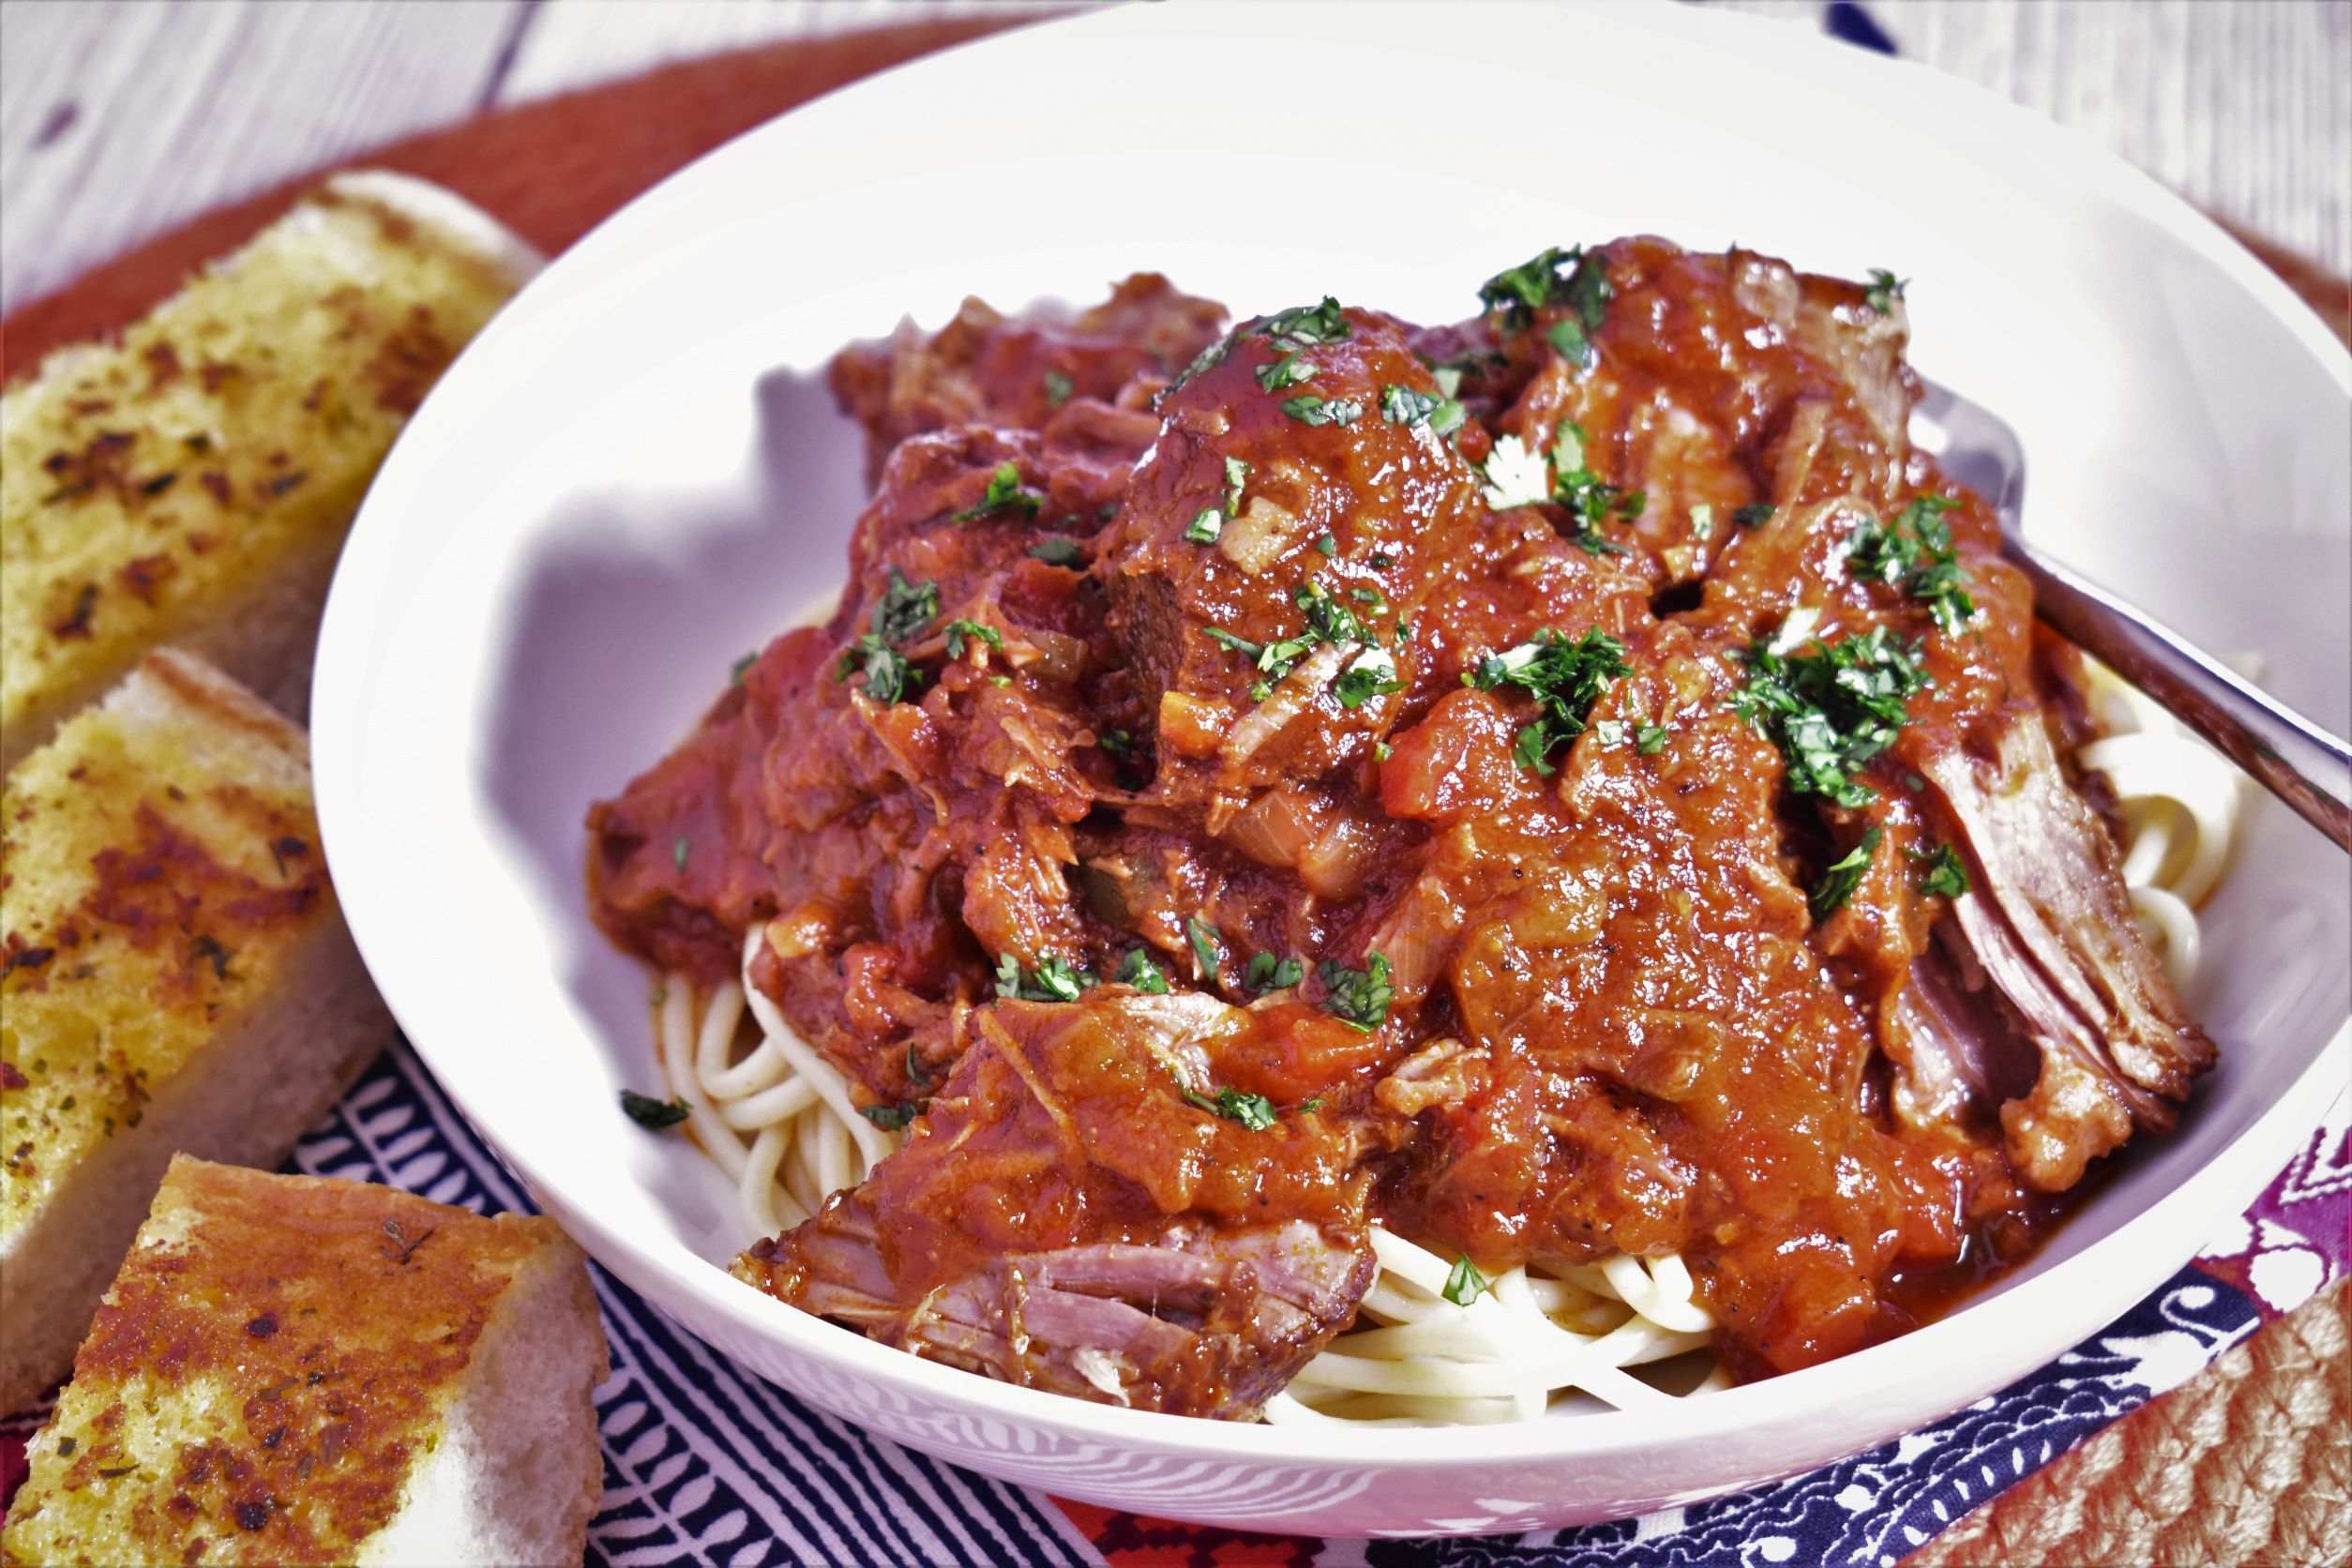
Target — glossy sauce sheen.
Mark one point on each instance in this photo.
(1616, 1025)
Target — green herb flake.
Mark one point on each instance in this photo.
(1755, 514)
(1305, 325)
(1650, 740)
(1557, 277)
(742, 667)
(1942, 872)
(1465, 1285)
(1207, 524)
(1054, 979)
(1373, 674)
(1055, 549)
(1358, 998)
(889, 676)
(1402, 405)
(958, 631)
(1310, 410)
(1915, 552)
(1589, 500)
(1205, 944)
(679, 852)
(1138, 970)
(1702, 522)
(1254, 1111)
(890, 1118)
(1565, 678)
(1058, 389)
(1844, 875)
(1833, 709)
(652, 1114)
(1568, 336)
(905, 608)
(1288, 370)
(1885, 289)
(1005, 489)
(1267, 972)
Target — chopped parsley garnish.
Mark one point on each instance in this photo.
(889, 675)
(1650, 740)
(1205, 943)
(1288, 370)
(1327, 621)
(1915, 553)
(1372, 674)
(1241, 645)
(652, 1114)
(1568, 336)
(1116, 742)
(1702, 521)
(1056, 550)
(1465, 1285)
(905, 608)
(1209, 522)
(1557, 277)
(1058, 389)
(1308, 409)
(1755, 514)
(1053, 980)
(1359, 997)
(1402, 405)
(1305, 323)
(1267, 972)
(1254, 1111)
(1589, 499)
(1942, 871)
(1138, 970)
(901, 613)
(1566, 678)
(1885, 289)
(679, 852)
(1844, 875)
(1833, 709)
(1326, 546)
(890, 1118)
(742, 667)
(1514, 476)
(1005, 489)
(957, 631)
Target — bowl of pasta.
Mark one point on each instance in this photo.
(1170, 842)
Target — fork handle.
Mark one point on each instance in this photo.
(2294, 758)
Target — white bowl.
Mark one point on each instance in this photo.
(634, 477)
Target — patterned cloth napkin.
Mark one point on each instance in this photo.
(705, 1463)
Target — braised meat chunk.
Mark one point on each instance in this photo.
(1563, 785)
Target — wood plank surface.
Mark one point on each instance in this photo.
(122, 119)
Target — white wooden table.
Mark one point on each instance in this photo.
(120, 118)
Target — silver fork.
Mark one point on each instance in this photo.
(2289, 755)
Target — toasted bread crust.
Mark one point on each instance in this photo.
(193, 481)
(175, 974)
(276, 1356)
